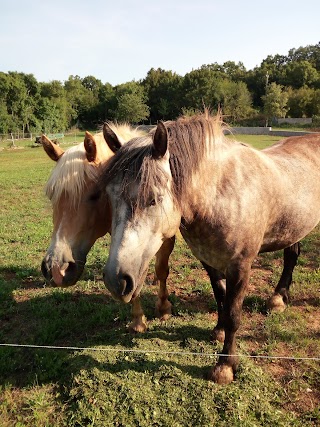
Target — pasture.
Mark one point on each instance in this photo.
(108, 377)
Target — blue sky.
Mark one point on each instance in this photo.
(120, 40)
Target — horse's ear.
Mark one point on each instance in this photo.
(90, 147)
(111, 138)
(160, 141)
(53, 150)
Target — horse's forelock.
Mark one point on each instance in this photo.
(131, 160)
(70, 175)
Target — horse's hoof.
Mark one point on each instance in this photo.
(163, 310)
(218, 335)
(138, 326)
(221, 374)
(276, 304)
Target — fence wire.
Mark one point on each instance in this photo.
(160, 352)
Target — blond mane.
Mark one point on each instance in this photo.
(70, 176)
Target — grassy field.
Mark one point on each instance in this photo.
(67, 139)
(159, 381)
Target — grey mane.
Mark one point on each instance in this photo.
(189, 139)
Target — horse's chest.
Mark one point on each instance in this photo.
(206, 245)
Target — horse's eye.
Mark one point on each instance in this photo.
(95, 196)
(153, 202)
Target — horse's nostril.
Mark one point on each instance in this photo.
(127, 284)
(44, 269)
(71, 267)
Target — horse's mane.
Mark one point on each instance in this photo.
(189, 140)
(73, 170)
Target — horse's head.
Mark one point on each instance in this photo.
(138, 183)
(80, 214)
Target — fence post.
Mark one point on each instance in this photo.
(12, 141)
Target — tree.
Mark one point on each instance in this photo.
(131, 108)
(300, 102)
(107, 103)
(236, 100)
(20, 100)
(92, 84)
(235, 72)
(5, 119)
(202, 87)
(131, 103)
(310, 53)
(76, 93)
(163, 93)
(315, 104)
(274, 102)
(301, 73)
(55, 93)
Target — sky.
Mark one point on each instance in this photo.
(118, 41)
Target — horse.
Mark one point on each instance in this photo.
(229, 200)
(81, 216)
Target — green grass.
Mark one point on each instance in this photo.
(69, 138)
(260, 142)
(111, 387)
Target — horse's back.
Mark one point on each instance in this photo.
(263, 200)
(303, 145)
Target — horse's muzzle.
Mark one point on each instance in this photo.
(122, 286)
(65, 275)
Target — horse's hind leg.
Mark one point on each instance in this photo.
(280, 298)
(219, 290)
(163, 305)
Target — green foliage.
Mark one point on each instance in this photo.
(163, 89)
(131, 103)
(301, 73)
(275, 101)
(30, 106)
(237, 103)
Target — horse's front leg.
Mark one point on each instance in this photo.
(139, 321)
(163, 305)
(217, 280)
(280, 298)
(237, 279)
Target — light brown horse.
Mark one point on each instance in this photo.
(230, 201)
(81, 216)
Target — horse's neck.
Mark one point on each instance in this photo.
(195, 198)
(207, 182)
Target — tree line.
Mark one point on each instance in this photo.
(282, 86)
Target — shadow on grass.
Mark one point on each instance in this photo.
(67, 318)
(73, 318)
